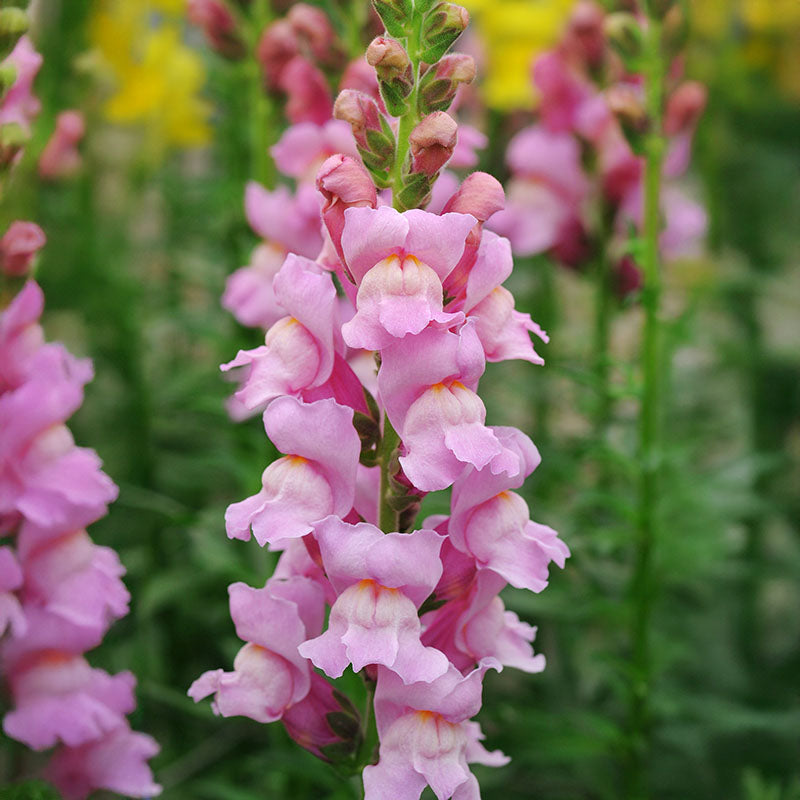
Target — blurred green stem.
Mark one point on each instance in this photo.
(602, 340)
(410, 119)
(262, 108)
(642, 582)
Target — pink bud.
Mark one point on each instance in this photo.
(480, 194)
(628, 278)
(276, 48)
(684, 107)
(388, 57)
(312, 25)
(344, 183)
(360, 111)
(219, 26)
(585, 37)
(18, 247)
(432, 142)
(309, 95)
(60, 156)
(440, 82)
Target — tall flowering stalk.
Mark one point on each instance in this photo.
(579, 175)
(59, 592)
(367, 381)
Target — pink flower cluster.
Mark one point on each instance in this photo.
(589, 110)
(59, 592)
(418, 610)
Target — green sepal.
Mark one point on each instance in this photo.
(395, 15)
(395, 94)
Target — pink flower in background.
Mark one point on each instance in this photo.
(20, 106)
(59, 592)
(60, 157)
(19, 246)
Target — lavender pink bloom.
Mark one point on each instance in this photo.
(20, 106)
(316, 478)
(381, 580)
(427, 738)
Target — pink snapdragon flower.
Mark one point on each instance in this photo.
(287, 223)
(11, 616)
(269, 675)
(493, 524)
(19, 246)
(427, 383)
(398, 262)
(117, 763)
(381, 581)
(315, 479)
(427, 738)
(298, 353)
(60, 157)
(303, 148)
(20, 106)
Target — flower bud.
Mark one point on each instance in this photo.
(480, 194)
(307, 90)
(13, 25)
(311, 24)
(393, 67)
(218, 25)
(60, 156)
(628, 278)
(627, 105)
(8, 75)
(395, 14)
(277, 46)
(324, 722)
(585, 36)
(684, 107)
(440, 82)
(19, 246)
(441, 26)
(343, 183)
(374, 138)
(432, 143)
(624, 33)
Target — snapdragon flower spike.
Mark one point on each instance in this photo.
(268, 674)
(493, 524)
(427, 738)
(381, 581)
(427, 383)
(316, 478)
(298, 353)
(398, 261)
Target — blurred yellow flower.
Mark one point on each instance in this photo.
(157, 78)
(771, 30)
(513, 32)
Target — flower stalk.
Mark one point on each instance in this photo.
(650, 444)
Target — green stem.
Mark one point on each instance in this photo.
(387, 516)
(262, 167)
(642, 583)
(410, 119)
(370, 727)
(602, 336)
